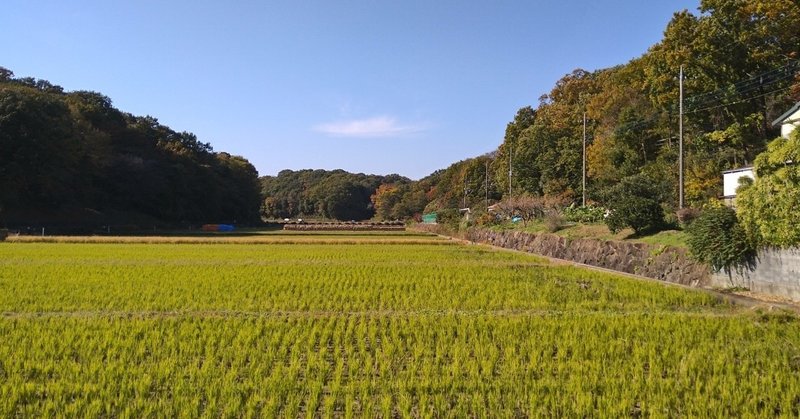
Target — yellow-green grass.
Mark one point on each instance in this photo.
(600, 231)
(371, 329)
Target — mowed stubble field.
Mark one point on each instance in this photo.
(370, 325)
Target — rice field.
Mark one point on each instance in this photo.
(369, 325)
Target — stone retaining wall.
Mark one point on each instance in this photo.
(664, 263)
(777, 271)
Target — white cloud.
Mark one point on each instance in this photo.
(377, 127)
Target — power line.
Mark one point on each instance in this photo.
(745, 87)
(789, 68)
(741, 88)
(727, 93)
(739, 101)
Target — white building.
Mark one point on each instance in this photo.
(730, 181)
(789, 121)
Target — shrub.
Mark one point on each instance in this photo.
(487, 219)
(553, 221)
(449, 217)
(687, 215)
(587, 214)
(670, 220)
(717, 238)
(530, 207)
(768, 206)
(634, 203)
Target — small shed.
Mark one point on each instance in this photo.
(789, 121)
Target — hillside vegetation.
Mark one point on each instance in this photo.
(71, 158)
(740, 62)
(72, 155)
(334, 194)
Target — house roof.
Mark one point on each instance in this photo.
(740, 169)
(786, 114)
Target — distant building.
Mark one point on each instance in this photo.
(789, 121)
(730, 181)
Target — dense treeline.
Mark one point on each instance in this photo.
(71, 158)
(740, 61)
(339, 195)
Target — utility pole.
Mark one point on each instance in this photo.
(487, 185)
(466, 191)
(584, 160)
(510, 150)
(680, 143)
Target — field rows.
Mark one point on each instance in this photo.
(673, 364)
(366, 313)
(390, 330)
(53, 277)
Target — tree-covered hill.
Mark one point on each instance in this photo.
(73, 159)
(74, 153)
(334, 194)
(741, 60)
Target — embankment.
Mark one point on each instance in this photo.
(776, 272)
(664, 263)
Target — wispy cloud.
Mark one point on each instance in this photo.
(377, 127)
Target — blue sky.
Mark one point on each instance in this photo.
(381, 87)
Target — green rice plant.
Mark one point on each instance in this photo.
(390, 329)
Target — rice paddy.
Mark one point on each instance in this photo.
(369, 325)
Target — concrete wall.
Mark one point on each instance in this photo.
(777, 272)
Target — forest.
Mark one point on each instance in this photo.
(73, 159)
(740, 66)
(340, 195)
